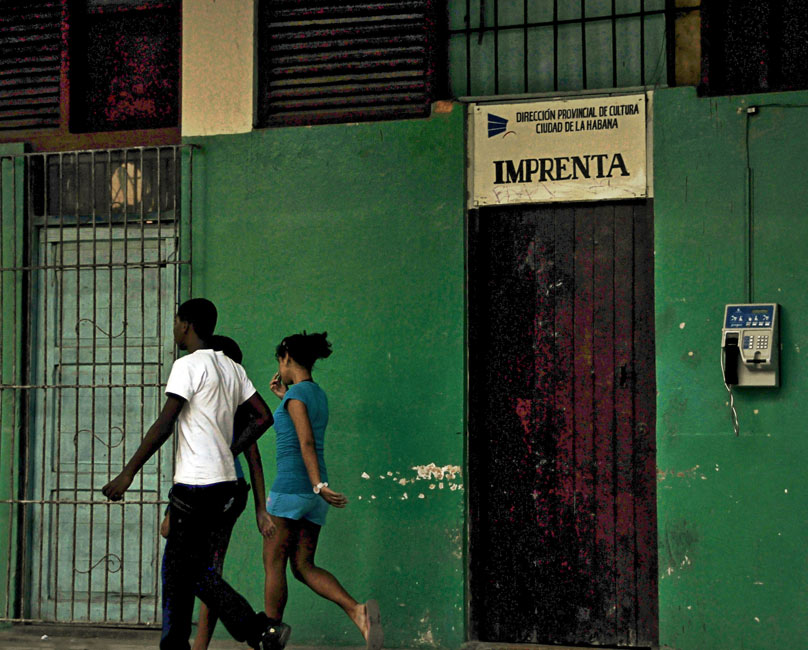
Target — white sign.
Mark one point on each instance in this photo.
(560, 150)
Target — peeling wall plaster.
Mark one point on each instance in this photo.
(444, 477)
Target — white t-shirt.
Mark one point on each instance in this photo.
(213, 385)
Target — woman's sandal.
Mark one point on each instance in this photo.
(375, 639)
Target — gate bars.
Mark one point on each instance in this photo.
(501, 47)
(95, 254)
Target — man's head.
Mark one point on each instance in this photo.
(195, 317)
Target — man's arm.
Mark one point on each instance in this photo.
(157, 434)
(252, 419)
(253, 456)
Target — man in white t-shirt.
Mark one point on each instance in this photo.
(203, 392)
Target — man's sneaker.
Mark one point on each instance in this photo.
(275, 637)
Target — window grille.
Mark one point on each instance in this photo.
(95, 254)
(322, 61)
(501, 47)
(115, 185)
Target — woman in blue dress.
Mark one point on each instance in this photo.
(300, 496)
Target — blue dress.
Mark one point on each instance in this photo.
(292, 477)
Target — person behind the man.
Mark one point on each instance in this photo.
(203, 392)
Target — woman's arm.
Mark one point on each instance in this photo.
(253, 456)
(300, 418)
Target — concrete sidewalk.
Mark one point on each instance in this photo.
(77, 637)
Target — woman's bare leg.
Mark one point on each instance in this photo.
(276, 555)
(204, 633)
(321, 581)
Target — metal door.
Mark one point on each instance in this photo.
(105, 326)
(561, 421)
(100, 258)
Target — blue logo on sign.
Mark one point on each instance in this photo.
(496, 125)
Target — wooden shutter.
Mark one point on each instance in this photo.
(30, 63)
(327, 61)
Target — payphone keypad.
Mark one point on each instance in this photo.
(756, 342)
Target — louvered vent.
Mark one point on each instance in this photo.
(30, 61)
(324, 61)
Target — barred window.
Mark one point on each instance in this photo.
(109, 185)
(505, 47)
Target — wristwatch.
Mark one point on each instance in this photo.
(319, 487)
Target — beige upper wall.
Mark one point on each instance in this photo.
(217, 66)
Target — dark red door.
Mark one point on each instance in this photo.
(561, 425)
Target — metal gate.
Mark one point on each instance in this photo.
(95, 253)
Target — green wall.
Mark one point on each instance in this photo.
(732, 523)
(357, 230)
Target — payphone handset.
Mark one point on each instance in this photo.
(750, 345)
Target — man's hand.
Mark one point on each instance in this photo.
(165, 526)
(333, 498)
(265, 525)
(116, 487)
